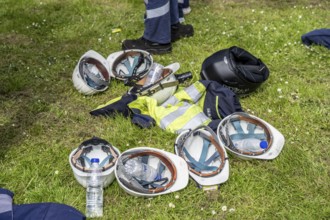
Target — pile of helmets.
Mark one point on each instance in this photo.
(140, 171)
(93, 73)
(200, 154)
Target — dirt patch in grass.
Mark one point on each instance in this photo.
(16, 39)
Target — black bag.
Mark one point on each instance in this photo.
(235, 68)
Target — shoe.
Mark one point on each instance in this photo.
(179, 31)
(186, 10)
(143, 44)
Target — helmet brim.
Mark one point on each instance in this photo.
(79, 82)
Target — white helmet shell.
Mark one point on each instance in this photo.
(80, 157)
(91, 74)
(172, 172)
(249, 137)
(163, 88)
(207, 160)
(129, 65)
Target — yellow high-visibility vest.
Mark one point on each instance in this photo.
(182, 111)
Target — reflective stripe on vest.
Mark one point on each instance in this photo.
(200, 119)
(184, 117)
(192, 94)
(168, 119)
(180, 112)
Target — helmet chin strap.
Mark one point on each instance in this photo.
(132, 75)
(201, 167)
(130, 68)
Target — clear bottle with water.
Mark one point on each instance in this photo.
(94, 194)
(142, 171)
(154, 74)
(250, 144)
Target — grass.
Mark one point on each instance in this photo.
(43, 118)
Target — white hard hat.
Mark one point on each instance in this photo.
(91, 74)
(250, 137)
(163, 88)
(171, 172)
(207, 160)
(95, 147)
(129, 65)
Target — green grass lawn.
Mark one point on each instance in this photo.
(43, 117)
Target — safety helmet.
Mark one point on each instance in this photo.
(250, 137)
(207, 160)
(163, 172)
(80, 160)
(164, 87)
(235, 68)
(129, 65)
(91, 74)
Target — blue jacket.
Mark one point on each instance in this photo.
(40, 211)
(319, 37)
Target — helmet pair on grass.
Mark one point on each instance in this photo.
(93, 74)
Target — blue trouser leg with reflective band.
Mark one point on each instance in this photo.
(185, 3)
(180, 6)
(47, 211)
(160, 15)
(6, 204)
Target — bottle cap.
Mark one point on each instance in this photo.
(95, 160)
(263, 144)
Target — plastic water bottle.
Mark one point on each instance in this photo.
(94, 195)
(250, 144)
(141, 171)
(154, 74)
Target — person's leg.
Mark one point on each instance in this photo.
(162, 27)
(158, 21)
(181, 15)
(186, 7)
(178, 30)
(157, 29)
